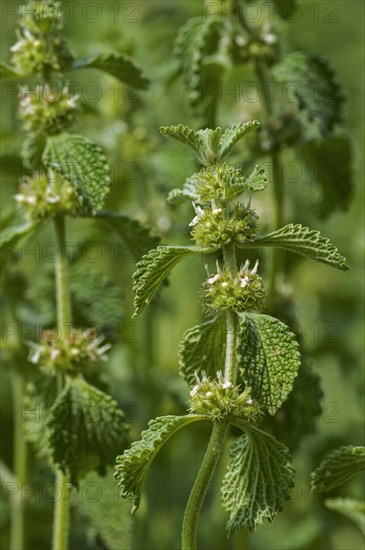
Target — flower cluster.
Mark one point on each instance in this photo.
(218, 227)
(263, 47)
(44, 195)
(242, 291)
(81, 347)
(43, 111)
(218, 182)
(220, 399)
(40, 47)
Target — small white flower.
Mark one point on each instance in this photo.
(224, 284)
(31, 200)
(227, 385)
(55, 353)
(212, 280)
(199, 212)
(208, 394)
(19, 197)
(217, 211)
(194, 391)
(244, 282)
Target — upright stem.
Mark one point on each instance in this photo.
(20, 466)
(197, 494)
(278, 186)
(229, 257)
(216, 443)
(61, 511)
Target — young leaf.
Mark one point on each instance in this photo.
(83, 163)
(132, 467)
(136, 237)
(268, 359)
(10, 237)
(304, 241)
(119, 65)
(338, 467)
(197, 40)
(257, 481)
(154, 268)
(330, 161)
(203, 347)
(85, 428)
(234, 134)
(7, 71)
(350, 508)
(209, 146)
(318, 92)
(257, 181)
(203, 143)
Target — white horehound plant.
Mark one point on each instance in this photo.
(68, 176)
(253, 371)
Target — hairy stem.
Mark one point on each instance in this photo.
(229, 257)
(64, 319)
(19, 465)
(199, 489)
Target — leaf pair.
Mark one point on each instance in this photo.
(255, 486)
(209, 146)
(267, 356)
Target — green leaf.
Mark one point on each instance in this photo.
(203, 143)
(257, 181)
(196, 41)
(32, 151)
(338, 466)
(135, 236)
(86, 429)
(268, 359)
(285, 8)
(350, 508)
(329, 163)
(110, 518)
(203, 347)
(304, 241)
(257, 481)
(132, 467)
(318, 92)
(119, 65)
(7, 71)
(83, 163)
(10, 237)
(234, 134)
(298, 416)
(209, 146)
(154, 268)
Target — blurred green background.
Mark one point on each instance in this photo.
(143, 372)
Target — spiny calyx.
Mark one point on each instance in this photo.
(40, 47)
(217, 227)
(240, 291)
(44, 195)
(56, 353)
(47, 111)
(220, 399)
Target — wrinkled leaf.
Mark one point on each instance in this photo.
(132, 467)
(304, 241)
(338, 467)
(203, 348)
(258, 478)
(119, 65)
(268, 359)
